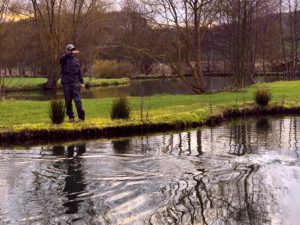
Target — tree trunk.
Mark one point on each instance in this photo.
(51, 83)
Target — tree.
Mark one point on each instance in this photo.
(138, 40)
(4, 5)
(49, 19)
(186, 22)
(239, 22)
(290, 35)
(268, 42)
(58, 23)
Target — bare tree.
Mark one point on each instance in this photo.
(184, 34)
(294, 20)
(290, 35)
(4, 5)
(138, 40)
(49, 19)
(79, 11)
(239, 22)
(58, 23)
(188, 20)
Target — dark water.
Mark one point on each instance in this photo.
(243, 172)
(138, 88)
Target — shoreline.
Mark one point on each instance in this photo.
(206, 74)
(158, 113)
(103, 82)
(56, 134)
(121, 82)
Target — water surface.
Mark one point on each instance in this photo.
(139, 88)
(242, 172)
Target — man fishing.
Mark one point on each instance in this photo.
(72, 82)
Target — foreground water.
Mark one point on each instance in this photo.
(243, 172)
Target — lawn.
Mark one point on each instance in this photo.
(20, 115)
(35, 83)
(24, 83)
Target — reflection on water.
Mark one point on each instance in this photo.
(243, 172)
(138, 88)
(121, 146)
(74, 180)
(202, 200)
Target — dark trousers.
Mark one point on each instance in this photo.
(72, 92)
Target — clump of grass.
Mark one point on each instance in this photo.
(57, 111)
(120, 108)
(262, 96)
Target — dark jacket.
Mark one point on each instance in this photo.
(71, 72)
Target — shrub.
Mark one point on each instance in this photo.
(57, 111)
(262, 96)
(120, 108)
(106, 68)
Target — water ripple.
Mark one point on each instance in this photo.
(245, 172)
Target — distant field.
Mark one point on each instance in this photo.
(35, 83)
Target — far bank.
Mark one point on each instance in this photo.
(13, 84)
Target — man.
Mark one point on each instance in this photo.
(72, 82)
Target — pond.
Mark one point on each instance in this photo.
(242, 172)
(139, 88)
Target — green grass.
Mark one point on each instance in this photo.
(20, 115)
(106, 81)
(35, 83)
(22, 83)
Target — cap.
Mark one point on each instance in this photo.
(70, 47)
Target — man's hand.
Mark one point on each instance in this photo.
(75, 52)
(82, 86)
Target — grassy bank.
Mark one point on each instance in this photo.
(17, 116)
(37, 83)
